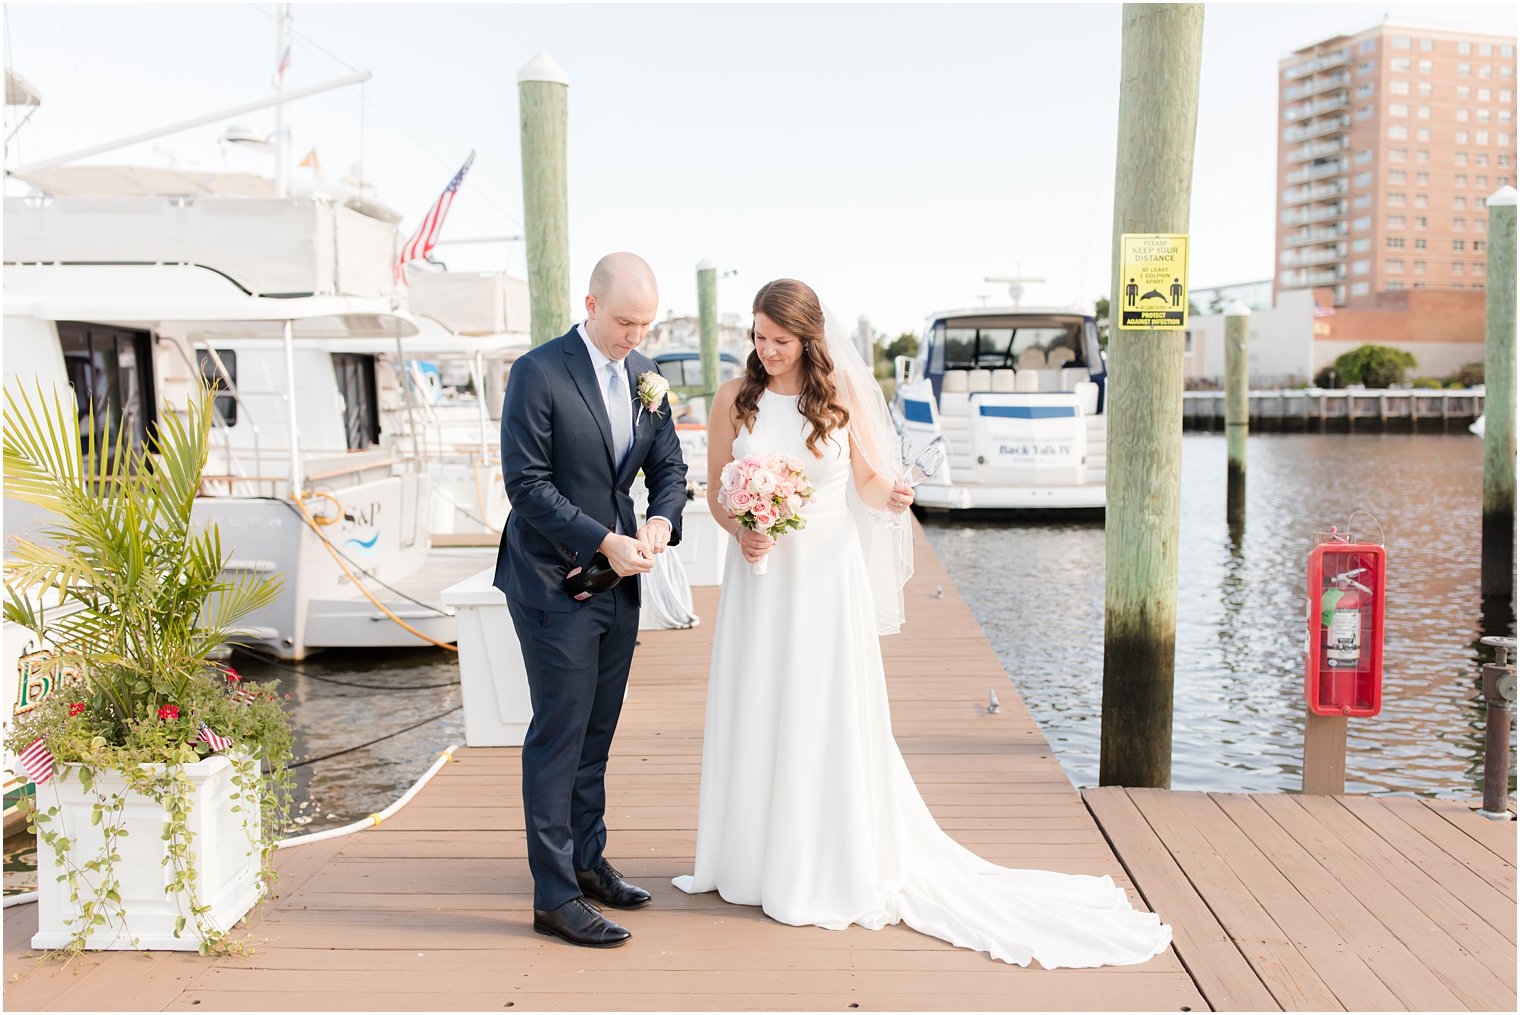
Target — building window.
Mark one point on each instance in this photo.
(1483, 114)
(1425, 88)
(1423, 134)
(1360, 267)
(1459, 201)
(1503, 160)
(1484, 95)
(1361, 179)
(1461, 137)
(1464, 49)
(1506, 115)
(1359, 288)
(1460, 158)
(1480, 159)
(1481, 180)
(1506, 50)
(1422, 177)
(1395, 222)
(1395, 267)
(1485, 49)
(1457, 267)
(1396, 242)
(1419, 243)
(1463, 114)
(1464, 92)
(1363, 112)
(1366, 46)
(1365, 67)
(1362, 245)
(1419, 267)
(1426, 45)
(1398, 132)
(1362, 201)
(1423, 112)
(1398, 88)
(1363, 157)
(1397, 176)
(1485, 71)
(1458, 225)
(1480, 202)
(1422, 155)
(1479, 246)
(1401, 42)
(1358, 224)
(1394, 155)
(1507, 71)
(1399, 63)
(1394, 287)
(1363, 90)
(1422, 200)
(1458, 244)
(1397, 199)
(1480, 225)
(1425, 66)
(1421, 222)
(1399, 109)
(1464, 70)
(1506, 95)
(1460, 180)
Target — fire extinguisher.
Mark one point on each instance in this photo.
(1341, 616)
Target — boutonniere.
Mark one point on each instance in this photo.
(653, 390)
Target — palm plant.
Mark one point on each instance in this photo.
(150, 601)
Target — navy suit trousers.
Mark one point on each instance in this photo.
(577, 665)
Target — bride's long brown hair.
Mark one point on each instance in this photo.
(795, 308)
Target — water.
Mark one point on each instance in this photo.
(1037, 590)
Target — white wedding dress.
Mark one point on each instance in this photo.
(807, 807)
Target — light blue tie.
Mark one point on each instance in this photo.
(619, 412)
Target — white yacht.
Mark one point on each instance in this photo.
(130, 297)
(1018, 397)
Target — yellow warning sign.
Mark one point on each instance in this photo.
(1152, 281)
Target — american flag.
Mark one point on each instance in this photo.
(1322, 311)
(244, 698)
(426, 237)
(284, 62)
(37, 762)
(216, 740)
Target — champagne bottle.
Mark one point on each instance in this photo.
(598, 576)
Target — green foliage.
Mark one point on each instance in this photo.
(150, 605)
(1100, 316)
(1373, 366)
(1469, 376)
(1427, 383)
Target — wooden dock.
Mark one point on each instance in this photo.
(431, 910)
(1341, 409)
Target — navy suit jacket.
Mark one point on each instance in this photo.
(556, 457)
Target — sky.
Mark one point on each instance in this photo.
(893, 156)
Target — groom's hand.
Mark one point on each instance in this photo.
(655, 535)
(627, 556)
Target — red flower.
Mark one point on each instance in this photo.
(232, 674)
(76, 707)
(169, 712)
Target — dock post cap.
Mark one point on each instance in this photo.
(707, 264)
(1237, 309)
(1505, 195)
(543, 68)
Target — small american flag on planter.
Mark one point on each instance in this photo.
(244, 698)
(37, 762)
(216, 741)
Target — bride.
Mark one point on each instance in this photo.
(807, 807)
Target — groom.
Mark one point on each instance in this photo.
(573, 436)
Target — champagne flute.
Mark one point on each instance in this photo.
(928, 461)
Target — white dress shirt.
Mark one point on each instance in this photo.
(599, 362)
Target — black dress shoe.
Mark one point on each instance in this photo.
(580, 923)
(607, 885)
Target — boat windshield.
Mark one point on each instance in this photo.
(1019, 343)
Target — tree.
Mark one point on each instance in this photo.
(1100, 314)
(1373, 366)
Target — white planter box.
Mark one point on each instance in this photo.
(224, 845)
(704, 545)
(493, 680)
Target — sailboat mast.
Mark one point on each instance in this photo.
(281, 126)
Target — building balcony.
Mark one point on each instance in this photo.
(1317, 172)
(1327, 104)
(1317, 85)
(1305, 236)
(1314, 65)
(1299, 277)
(1305, 258)
(1303, 216)
(1308, 131)
(1314, 192)
(1316, 149)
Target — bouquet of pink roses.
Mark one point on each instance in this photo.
(766, 493)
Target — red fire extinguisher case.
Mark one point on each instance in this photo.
(1343, 671)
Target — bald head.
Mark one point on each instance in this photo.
(621, 303)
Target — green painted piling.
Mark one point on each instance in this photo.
(543, 101)
(1237, 408)
(707, 319)
(1499, 399)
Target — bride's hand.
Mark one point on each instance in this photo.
(754, 545)
(900, 498)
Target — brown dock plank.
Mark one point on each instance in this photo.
(1497, 836)
(430, 911)
(1222, 974)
